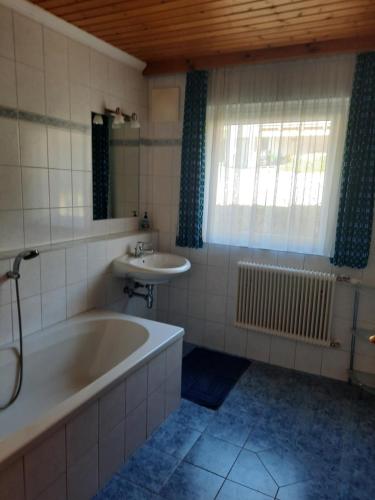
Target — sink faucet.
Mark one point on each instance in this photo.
(142, 247)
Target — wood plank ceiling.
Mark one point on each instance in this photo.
(175, 35)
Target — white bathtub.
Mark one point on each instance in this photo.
(73, 364)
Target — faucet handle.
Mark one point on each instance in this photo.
(138, 248)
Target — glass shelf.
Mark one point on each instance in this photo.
(363, 379)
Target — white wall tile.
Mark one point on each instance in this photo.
(8, 94)
(6, 33)
(111, 409)
(55, 54)
(308, 358)
(31, 315)
(5, 290)
(80, 111)
(83, 476)
(218, 255)
(136, 429)
(217, 280)
(60, 188)
(111, 453)
(30, 89)
(11, 478)
(178, 300)
(197, 304)
(37, 227)
(258, 346)
(198, 277)
(52, 270)
(82, 221)
(28, 41)
(30, 280)
(9, 145)
(335, 364)
(136, 389)
(79, 63)
(235, 341)
(81, 151)
(76, 264)
(155, 409)
(33, 144)
(76, 298)
(35, 192)
(215, 308)
(97, 262)
(10, 188)
(82, 433)
(96, 292)
(156, 372)
(82, 189)
(59, 153)
(98, 71)
(61, 224)
(53, 307)
(44, 464)
(214, 336)
(282, 352)
(56, 490)
(11, 229)
(57, 98)
(6, 328)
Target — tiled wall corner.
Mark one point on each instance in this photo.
(45, 165)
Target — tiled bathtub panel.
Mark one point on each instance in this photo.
(111, 452)
(82, 455)
(82, 433)
(83, 477)
(44, 464)
(156, 409)
(12, 482)
(111, 409)
(135, 429)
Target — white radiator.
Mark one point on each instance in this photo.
(287, 302)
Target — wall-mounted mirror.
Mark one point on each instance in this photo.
(115, 166)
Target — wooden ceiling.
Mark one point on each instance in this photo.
(176, 35)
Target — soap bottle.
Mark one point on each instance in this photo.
(145, 222)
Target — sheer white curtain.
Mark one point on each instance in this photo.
(275, 139)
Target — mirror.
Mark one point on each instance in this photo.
(115, 168)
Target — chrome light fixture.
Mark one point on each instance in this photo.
(118, 118)
(134, 123)
(98, 119)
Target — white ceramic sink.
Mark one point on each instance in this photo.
(151, 269)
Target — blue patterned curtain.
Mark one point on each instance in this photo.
(193, 161)
(354, 223)
(100, 168)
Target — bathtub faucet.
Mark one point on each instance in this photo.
(142, 247)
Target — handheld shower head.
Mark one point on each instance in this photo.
(25, 255)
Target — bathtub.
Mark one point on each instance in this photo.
(95, 387)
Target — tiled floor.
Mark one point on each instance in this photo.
(279, 434)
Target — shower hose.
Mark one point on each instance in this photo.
(20, 354)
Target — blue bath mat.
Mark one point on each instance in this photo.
(208, 376)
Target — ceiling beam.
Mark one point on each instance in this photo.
(182, 65)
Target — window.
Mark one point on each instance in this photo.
(273, 165)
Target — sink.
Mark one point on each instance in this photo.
(151, 269)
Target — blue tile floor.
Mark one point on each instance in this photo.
(279, 434)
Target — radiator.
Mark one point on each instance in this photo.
(291, 303)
